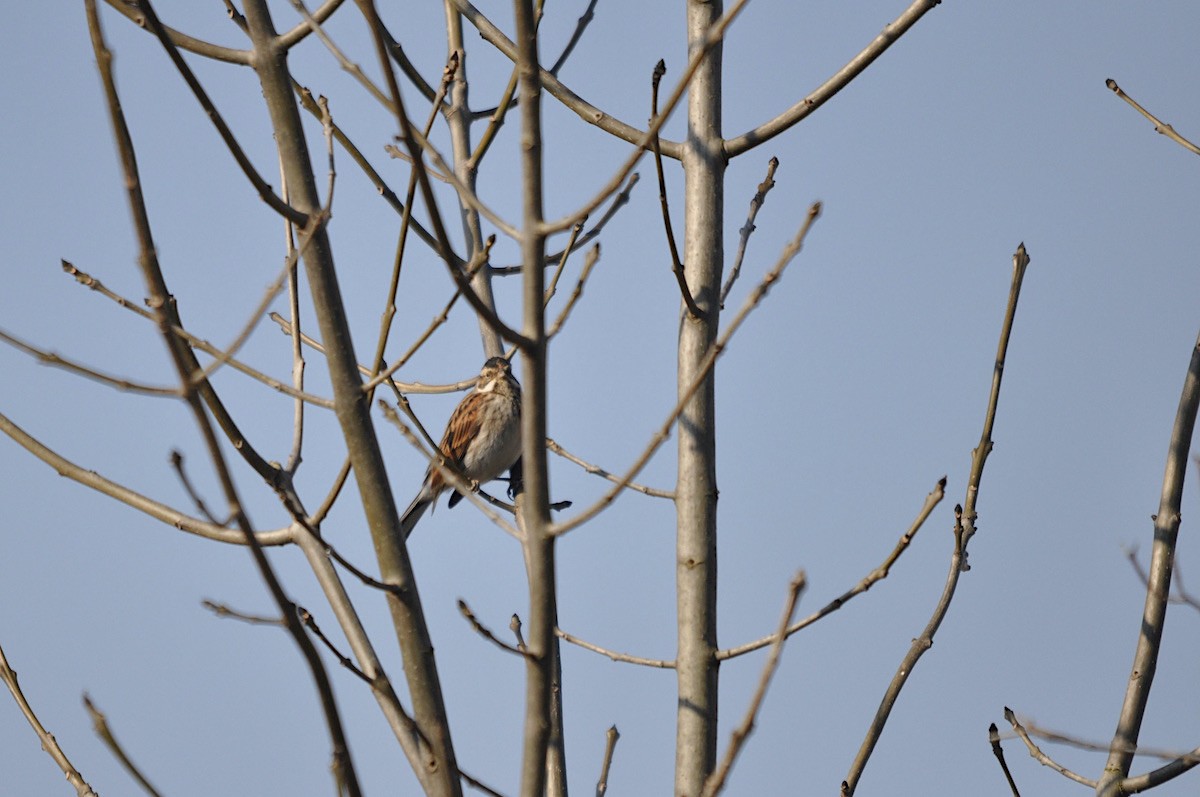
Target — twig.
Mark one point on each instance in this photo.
(193, 493)
(588, 262)
(58, 361)
(756, 203)
(964, 529)
(265, 192)
(998, 751)
(836, 82)
(618, 201)
(1158, 591)
(1178, 593)
(878, 574)
(1041, 757)
(486, 633)
(88, 281)
(715, 782)
(1159, 126)
(310, 623)
(100, 724)
(345, 63)
(610, 746)
(49, 743)
(663, 664)
(222, 610)
(155, 509)
(660, 69)
(596, 470)
(714, 351)
(552, 288)
(580, 25)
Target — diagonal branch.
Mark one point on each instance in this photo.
(878, 574)
(1159, 126)
(768, 130)
(964, 529)
(9, 676)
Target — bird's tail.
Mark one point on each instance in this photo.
(415, 511)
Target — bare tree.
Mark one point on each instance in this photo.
(314, 153)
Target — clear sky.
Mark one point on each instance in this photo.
(859, 382)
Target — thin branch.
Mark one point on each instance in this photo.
(58, 361)
(1159, 126)
(589, 261)
(660, 69)
(878, 574)
(662, 664)
(1041, 757)
(964, 529)
(224, 610)
(610, 746)
(216, 52)
(486, 633)
(556, 88)
(893, 31)
(265, 192)
(998, 751)
(190, 489)
(697, 56)
(87, 280)
(596, 470)
(715, 782)
(618, 201)
(310, 623)
(353, 69)
(9, 676)
(100, 724)
(580, 26)
(715, 350)
(756, 202)
(155, 509)
(1179, 594)
(183, 358)
(1162, 557)
(552, 288)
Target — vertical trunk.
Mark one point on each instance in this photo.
(533, 504)
(696, 490)
(353, 412)
(459, 124)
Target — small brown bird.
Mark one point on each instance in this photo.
(482, 438)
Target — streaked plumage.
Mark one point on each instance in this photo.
(482, 438)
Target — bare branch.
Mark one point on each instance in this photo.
(557, 89)
(878, 574)
(893, 31)
(1041, 757)
(217, 52)
(484, 632)
(756, 202)
(610, 746)
(100, 724)
(265, 192)
(159, 511)
(58, 361)
(998, 751)
(662, 664)
(716, 781)
(588, 262)
(660, 69)
(964, 529)
(715, 350)
(9, 676)
(1158, 592)
(596, 470)
(1159, 126)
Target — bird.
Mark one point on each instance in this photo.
(481, 441)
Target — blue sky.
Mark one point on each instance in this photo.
(859, 382)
